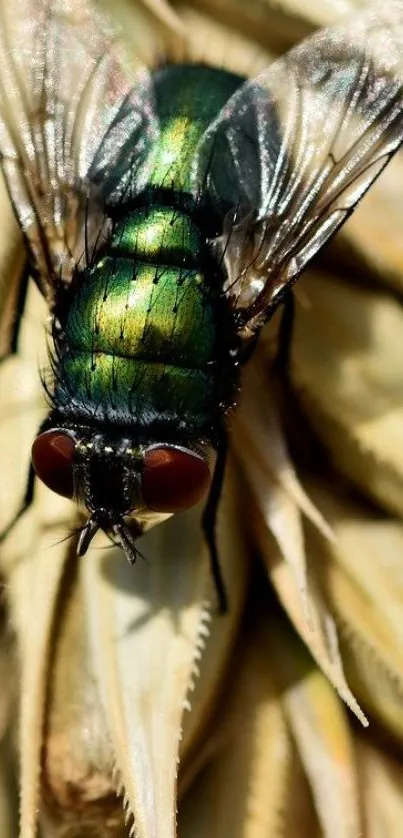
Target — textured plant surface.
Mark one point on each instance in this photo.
(127, 706)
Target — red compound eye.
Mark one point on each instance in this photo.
(173, 480)
(52, 458)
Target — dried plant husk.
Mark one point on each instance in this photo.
(221, 631)
(251, 782)
(210, 42)
(32, 571)
(78, 788)
(129, 670)
(262, 450)
(8, 699)
(276, 23)
(320, 632)
(148, 630)
(12, 259)
(345, 371)
(381, 780)
(319, 725)
(360, 576)
(370, 242)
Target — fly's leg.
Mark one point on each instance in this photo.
(26, 503)
(281, 363)
(209, 523)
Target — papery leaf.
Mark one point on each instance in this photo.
(32, 570)
(7, 798)
(148, 627)
(209, 41)
(345, 369)
(78, 758)
(220, 634)
(279, 23)
(381, 781)
(261, 448)
(253, 778)
(320, 635)
(165, 15)
(320, 728)
(372, 237)
(362, 580)
(12, 258)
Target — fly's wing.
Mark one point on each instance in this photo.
(294, 150)
(76, 125)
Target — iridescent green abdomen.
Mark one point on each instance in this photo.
(148, 357)
(145, 345)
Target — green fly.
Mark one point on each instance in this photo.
(167, 213)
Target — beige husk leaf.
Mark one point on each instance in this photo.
(252, 783)
(320, 728)
(381, 776)
(361, 577)
(349, 335)
(130, 683)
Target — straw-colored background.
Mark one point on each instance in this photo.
(102, 663)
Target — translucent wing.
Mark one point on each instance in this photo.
(75, 127)
(294, 150)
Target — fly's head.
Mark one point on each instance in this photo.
(125, 487)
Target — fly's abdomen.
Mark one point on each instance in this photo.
(140, 334)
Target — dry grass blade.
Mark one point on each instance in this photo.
(372, 237)
(253, 778)
(78, 789)
(12, 258)
(381, 779)
(148, 628)
(280, 498)
(348, 336)
(32, 579)
(361, 578)
(164, 14)
(320, 635)
(210, 42)
(221, 631)
(276, 23)
(320, 729)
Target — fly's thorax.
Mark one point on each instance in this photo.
(145, 340)
(188, 98)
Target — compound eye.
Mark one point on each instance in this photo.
(173, 480)
(52, 458)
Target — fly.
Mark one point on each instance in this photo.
(166, 215)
